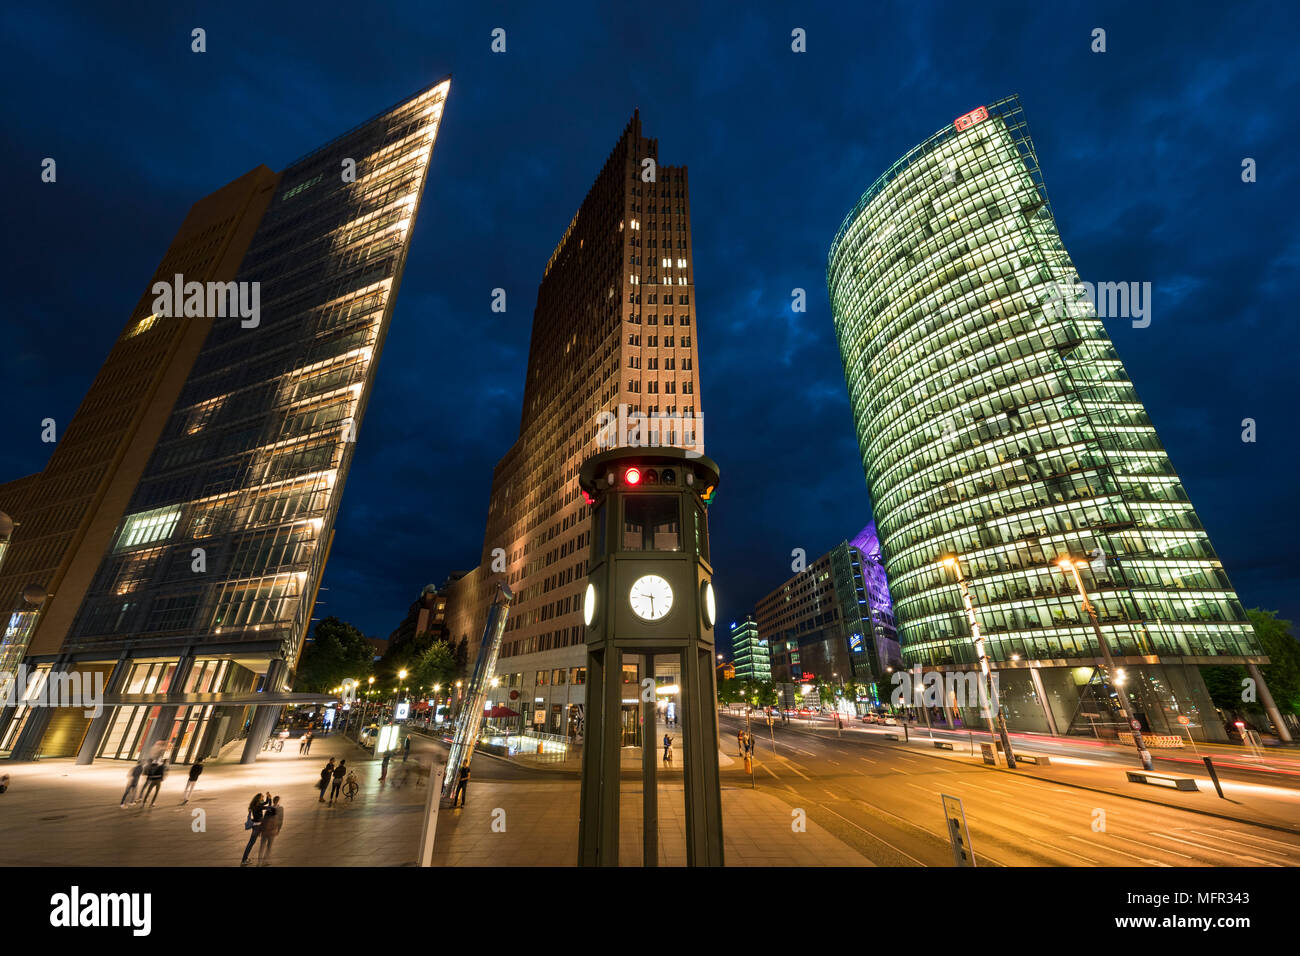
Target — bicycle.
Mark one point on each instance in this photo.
(351, 787)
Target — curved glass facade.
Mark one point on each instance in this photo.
(996, 422)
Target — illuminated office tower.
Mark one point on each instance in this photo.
(206, 584)
(614, 327)
(998, 426)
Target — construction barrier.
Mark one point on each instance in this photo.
(1171, 741)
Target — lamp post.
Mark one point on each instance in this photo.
(992, 703)
(1071, 567)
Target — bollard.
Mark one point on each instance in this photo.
(1214, 777)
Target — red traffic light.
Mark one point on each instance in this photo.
(632, 476)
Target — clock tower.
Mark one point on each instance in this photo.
(649, 596)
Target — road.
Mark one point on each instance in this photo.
(884, 800)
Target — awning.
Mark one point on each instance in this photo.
(240, 699)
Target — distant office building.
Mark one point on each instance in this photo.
(998, 426)
(181, 527)
(751, 653)
(613, 332)
(833, 620)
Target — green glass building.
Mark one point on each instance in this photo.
(997, 425)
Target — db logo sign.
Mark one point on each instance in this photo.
(514, 695)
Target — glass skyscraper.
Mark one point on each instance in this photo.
(203, 591)
(997, 424)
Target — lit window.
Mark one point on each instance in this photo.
(149, 526)
(144, 325)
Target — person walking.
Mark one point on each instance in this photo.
(310, 737)
(383, 770)
(406, 748)
(325, 776)
(740, 742)
(272, 822)
(340, 772)
(253, 822)
(196, 768)
(462, 783)
(153, 776)
(668, 751)
(132, 781)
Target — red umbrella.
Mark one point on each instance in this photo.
(500, 710)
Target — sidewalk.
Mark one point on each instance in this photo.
(536, 824)
(59, 814)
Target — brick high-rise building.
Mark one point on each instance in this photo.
(614, 326)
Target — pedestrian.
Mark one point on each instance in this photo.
(668, 750)
(132, 781)
(310, 737)
(272, 822)
(153, 776)
(462, 782)
(253, 822)
(4, 783)
(195, 769)
(383, 770)
(740, 742)
(406, 748)
(325, 776)
(340, 772)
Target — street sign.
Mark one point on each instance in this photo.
(958, 832)
(1135, 724)
(1182, 719)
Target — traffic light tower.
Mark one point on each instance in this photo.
(649, 593)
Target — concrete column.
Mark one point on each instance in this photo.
(1042, 699)
(264, 714)
(1265, 698)
(28, 744)
(99, 725)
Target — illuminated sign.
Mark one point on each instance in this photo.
(403, 711)
(970, 119)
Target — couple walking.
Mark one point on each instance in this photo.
(264, 821)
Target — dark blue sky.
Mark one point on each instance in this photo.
(1141, 148)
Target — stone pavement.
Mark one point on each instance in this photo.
(58, 814)
(541, 828)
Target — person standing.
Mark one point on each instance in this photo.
(153, 776)
(253, 822)
(462, 783)
(668, 750)
(132, 781)
(340, 772)
(383, 770)
(406, 748)
(272, 822)
(196, 768)
(309, 738)
(326, 776)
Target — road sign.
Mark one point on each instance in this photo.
(1135, 724)
(1184, 719)
(958, 832)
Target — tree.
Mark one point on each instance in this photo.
(1282, 675)
(730, 691)
(437, 665)
(337, 651)
(462, 656)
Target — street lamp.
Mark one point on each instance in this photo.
(1070, 567)
(992, 703)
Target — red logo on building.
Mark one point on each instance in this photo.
(971, 118)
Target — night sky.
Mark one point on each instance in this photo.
(1141, 147)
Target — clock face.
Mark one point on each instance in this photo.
(589, 605)
(651, 597)
(710, 604)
